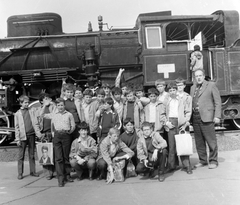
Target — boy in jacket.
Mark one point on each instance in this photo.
(25, 131)
(155, 111)
(178, 110)
(151, 152)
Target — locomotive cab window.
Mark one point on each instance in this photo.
(153, 37)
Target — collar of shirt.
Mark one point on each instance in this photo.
(45, 106)
(77, 100)
(180, 95)
(65, 111)
(23, 108)
(147, 137)
(80, 139)
(153, 104)
(129, 132)
(110, 111)
(177, 98)
(163, 93)
(70, 99)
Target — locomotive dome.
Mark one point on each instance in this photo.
(34, 25)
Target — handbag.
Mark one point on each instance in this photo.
(130, 170)
(184, 143)
(45, 153)
(117, 171)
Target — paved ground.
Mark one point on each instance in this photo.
(204, 186)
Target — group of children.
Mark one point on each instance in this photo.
(82, 122)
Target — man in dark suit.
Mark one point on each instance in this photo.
(206, 112)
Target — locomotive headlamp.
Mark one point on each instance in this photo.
(37, 74)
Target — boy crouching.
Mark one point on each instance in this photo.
(151, 151)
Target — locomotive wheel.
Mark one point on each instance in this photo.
(236, 123)
(4, 122)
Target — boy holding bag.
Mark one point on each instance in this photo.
(178, 111)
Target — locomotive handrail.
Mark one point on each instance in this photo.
(29, 51)
(14, 51)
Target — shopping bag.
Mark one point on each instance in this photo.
(45, 153)
(184, 144)
(130, 170)
(118, 171)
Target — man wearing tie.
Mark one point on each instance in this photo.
(206, 113)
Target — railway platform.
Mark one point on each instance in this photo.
(206, 187)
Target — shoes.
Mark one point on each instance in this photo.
(212, 166)
(168, 170)
(91, 175)
(161, 177)
(189, 170)
(49, 177)
(79, 178)
(34, 174)
(200, 165)
(151, 173)
(61, 184)
(69, 179)
(20, 176)
(100, 177)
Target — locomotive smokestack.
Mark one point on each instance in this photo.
(89, 26)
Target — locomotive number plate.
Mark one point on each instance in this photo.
(166, 69)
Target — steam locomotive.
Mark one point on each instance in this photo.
(36, 55)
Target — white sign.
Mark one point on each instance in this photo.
(166, 69)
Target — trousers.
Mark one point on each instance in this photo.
(90, 165)
(160, 163)
(62, 146)
(204, 132)
(21, 154)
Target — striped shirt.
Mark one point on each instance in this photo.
(62, 121)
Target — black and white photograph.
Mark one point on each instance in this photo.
(124, 102)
